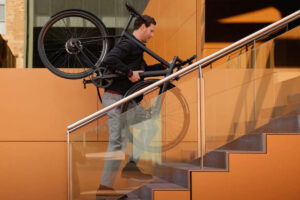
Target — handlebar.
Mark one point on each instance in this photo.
(187, 61)
(153, 73)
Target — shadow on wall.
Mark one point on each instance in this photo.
(7, 59)
(218, 30)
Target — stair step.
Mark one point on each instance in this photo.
(294, 98)
(269, 176)
(249, 142)
(132, 196)
(287, 124)
(178, 173)
(176, 176)
(146, 191)
(279, 111)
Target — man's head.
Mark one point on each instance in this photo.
(144, 29)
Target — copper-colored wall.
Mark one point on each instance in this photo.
(169, 194)
(36, 107)
(176, 35)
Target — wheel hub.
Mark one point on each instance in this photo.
(73, 46)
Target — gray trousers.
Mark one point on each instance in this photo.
(118, 125)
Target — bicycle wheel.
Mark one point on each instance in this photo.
(173, 111)
(73, 43)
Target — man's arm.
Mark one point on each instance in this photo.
(114, 59)
(153, 67)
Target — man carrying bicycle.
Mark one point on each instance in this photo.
(125, 59)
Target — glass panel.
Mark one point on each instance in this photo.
(2, 12)
(249, 94)
(113, 14)
(154, 130)
(277, 80)
(229, 98)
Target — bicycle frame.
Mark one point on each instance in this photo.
(170, 66)
(124, 34)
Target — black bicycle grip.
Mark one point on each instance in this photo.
(191, 58)
(154, 73)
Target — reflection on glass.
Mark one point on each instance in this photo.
(153, 129)
(251, 94)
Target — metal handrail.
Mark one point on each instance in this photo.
(203, 62)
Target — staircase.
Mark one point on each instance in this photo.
(273, 174)
(232, 170)
(263, 164)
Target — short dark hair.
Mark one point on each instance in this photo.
(147, 20)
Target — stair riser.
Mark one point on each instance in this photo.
(280, 111)
(249, 142)
(283, 125)
(288, 124)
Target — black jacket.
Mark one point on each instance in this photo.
(126, 56)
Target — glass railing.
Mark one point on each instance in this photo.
(251, 92)
(152, 130)
(160, 137)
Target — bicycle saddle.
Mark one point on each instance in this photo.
(133, 11)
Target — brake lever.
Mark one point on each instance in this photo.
(190, 60)
(182, 63)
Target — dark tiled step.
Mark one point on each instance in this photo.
(178, 173)
(279, 111)
(132, 196)
(293, 98)
(289, 124)
(146, 191)
(176, 176)
(249, 142)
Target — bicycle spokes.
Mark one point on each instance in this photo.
(73, 42)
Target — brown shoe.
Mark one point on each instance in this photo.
(133, 172)
(108, 193)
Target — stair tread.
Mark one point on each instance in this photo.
(279, 111)
(284, 124)
(191, 167)
(182, 165)
(132, 196)
(161, 184)
(183, 169)
(238, 151)
(264, 121)
(293, 98)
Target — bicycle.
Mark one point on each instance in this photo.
(73, 43)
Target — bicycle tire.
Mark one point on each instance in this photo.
(76, 26)
(180, 107)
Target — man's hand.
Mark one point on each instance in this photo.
(135, 76)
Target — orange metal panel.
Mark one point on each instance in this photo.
(33, 170)
(275, 175)
(171, 195)
(38, 106)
